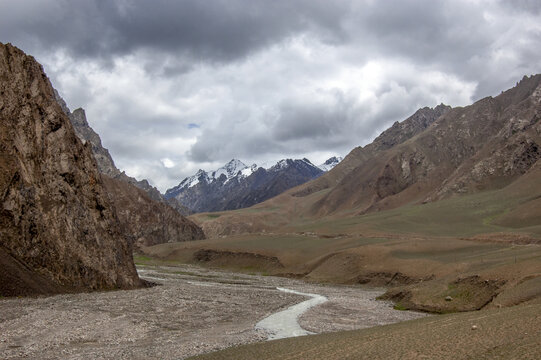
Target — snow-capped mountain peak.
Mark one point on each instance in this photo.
(200, 175)
(330, 163)
(230, 170)
(236, 170)
(249, 170)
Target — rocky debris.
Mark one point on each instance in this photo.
(56, 220)
(193, 311)
(145, 221)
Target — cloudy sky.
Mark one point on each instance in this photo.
(174, 86)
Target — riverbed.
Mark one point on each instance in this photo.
(193, 311)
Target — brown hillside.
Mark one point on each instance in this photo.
(483, 146)
(396, 134)
(145, 221)
(435, 154)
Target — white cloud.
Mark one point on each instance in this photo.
(270, 80)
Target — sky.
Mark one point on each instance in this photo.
(176, 86)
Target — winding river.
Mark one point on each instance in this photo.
(285, 323)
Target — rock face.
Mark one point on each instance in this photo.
(236, 186)
(400, 132)
(105, 162)
(148, 222)
(58, 229)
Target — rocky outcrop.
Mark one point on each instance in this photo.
(148, 222)
(57, 223)
(399, 132)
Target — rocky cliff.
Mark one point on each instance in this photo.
(148, 222)
(58, 228)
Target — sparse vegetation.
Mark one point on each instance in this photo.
(139, 259)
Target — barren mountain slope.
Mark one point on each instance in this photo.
(483, 146)
(396, 134)
(145, 221)
(56, 221)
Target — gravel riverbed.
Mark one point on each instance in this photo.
(193, 311)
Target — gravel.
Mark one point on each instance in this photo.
(193, 311)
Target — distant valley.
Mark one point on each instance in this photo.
(442, 210)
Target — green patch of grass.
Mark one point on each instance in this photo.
(213, 216)
(465, 215)
(139, 259)
(400, 307)
(471, 252)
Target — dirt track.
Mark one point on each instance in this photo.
(194, 311)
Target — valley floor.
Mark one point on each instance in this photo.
(193, 311)
(505, 333)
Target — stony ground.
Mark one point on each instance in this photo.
(498, 333)
(193, 311)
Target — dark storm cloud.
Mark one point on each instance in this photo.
(211, 30)
(528, 6)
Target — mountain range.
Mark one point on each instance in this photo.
(230, 187)
(236, 185)
(435, 154)
(466, 175)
